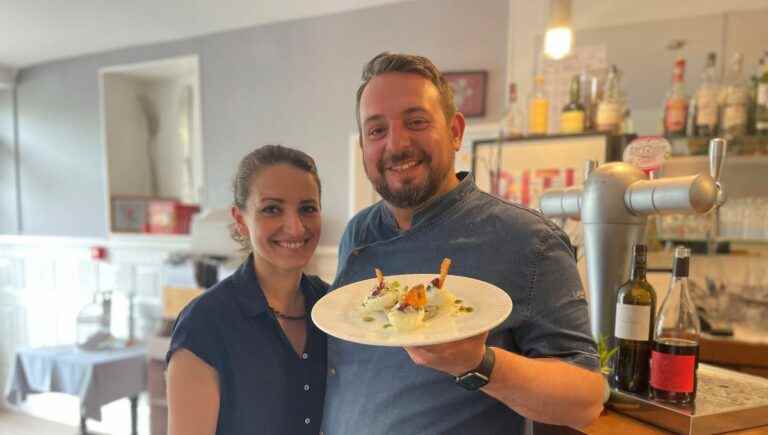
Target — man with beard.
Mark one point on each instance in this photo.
(540, 363)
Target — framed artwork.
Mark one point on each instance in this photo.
(469, 88)
(129, 214)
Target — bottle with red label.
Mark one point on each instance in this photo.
(676, 104)
(675, 350)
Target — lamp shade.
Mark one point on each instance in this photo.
(558, 39)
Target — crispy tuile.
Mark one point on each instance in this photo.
(444, 266)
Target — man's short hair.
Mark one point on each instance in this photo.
(411, 64)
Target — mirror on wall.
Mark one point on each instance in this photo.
(151, 130)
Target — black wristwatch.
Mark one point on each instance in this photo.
(478, 377)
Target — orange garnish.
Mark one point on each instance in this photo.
(379, 277)
(444, 266)
(416, 296)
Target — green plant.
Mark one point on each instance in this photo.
(605, 354)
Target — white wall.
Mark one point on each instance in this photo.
(291, 83)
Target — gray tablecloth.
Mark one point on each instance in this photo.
(96, 378)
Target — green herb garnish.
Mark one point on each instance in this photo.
(605, 354)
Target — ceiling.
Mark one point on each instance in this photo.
(36, 31)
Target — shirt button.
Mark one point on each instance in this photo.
(306, 387)
(332, 371)
(306, 420)
(304, 356)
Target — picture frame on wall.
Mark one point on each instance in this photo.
(129, 214)
(469, 91)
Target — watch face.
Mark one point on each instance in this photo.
(472, 381)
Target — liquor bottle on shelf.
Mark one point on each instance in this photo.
(754, 82)
(706, 101)
(573, 114)
(676, 104)
(761, 100)
(735, 100)
(588, 97)
(675, 351)
(512, 122)
(635, 314)
(538, 108)
(610, 109)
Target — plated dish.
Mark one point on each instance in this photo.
(412, 309)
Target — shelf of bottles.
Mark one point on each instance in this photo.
(742, 220)
(735, 107)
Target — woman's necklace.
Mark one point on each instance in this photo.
(285, 316)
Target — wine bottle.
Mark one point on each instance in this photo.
(675, 351)
(635, 314)
(572, 119)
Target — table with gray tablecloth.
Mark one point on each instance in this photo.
(95, 377)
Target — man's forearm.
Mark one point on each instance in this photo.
(546, 390)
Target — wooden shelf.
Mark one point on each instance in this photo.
(755, 159)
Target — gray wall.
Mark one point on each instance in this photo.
(8, 223)
(291, 83)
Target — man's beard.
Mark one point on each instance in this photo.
(411, 195)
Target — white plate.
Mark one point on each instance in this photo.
(340, 314)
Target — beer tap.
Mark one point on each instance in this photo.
(614, 205)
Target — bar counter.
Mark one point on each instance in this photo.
(611, 423)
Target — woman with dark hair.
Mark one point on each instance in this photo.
(245, 357)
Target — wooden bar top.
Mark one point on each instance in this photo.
(611, 423)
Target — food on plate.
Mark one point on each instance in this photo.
(408, 314)
(407, 309)
(382, 296)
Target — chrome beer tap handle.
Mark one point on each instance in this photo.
(718, 148)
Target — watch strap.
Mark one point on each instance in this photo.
(480, 375)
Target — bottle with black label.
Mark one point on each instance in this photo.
(675, 351)
(635, 314)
